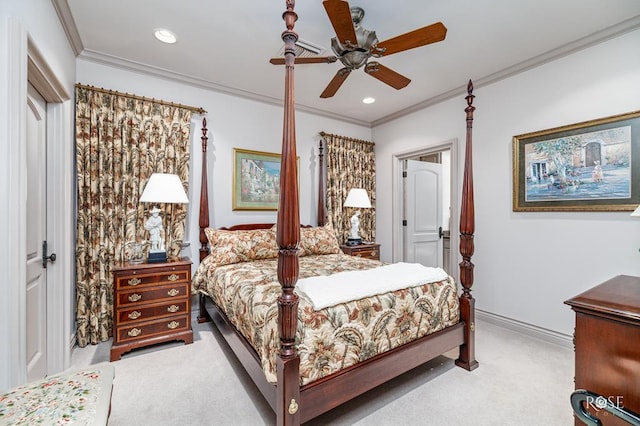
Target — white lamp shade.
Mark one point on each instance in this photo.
(636, 212)
(164, 188)
(358, 198)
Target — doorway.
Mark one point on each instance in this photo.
(445, 155)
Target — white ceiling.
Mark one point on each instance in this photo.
(226, 45)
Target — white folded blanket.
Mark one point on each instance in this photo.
(330, 290)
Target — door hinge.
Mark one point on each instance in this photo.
(404, 222)
(404, 174)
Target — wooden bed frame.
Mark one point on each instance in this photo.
(292, 403)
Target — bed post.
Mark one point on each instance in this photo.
(467, 357)
(321, 213)
(203, 218)
(288, 239)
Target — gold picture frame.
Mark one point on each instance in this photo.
(587, 166)
(256, 180)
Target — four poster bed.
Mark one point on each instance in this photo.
(306, 350)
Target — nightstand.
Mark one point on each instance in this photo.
(366, 250)
(151, 304)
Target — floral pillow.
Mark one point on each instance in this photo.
(229, 247)
(319, 240)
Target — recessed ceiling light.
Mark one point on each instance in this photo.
(164, 35)
(368, 100)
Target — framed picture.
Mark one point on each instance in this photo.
(588, 166)
(256, 180)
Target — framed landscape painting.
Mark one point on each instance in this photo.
(256, 180)
(588, 166)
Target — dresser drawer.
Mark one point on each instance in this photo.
(139, 296)
(152, 328)
(144, 278)
(151, 312)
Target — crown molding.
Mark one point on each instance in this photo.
(125, 64)
(593, 39)
(69, 25)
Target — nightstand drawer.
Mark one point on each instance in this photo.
(139, 296)
(142, 278)
(151, 312)
(368, 251)
(151, 328)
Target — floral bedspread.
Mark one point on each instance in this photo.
(332, 338)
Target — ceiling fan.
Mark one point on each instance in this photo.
(354, 46)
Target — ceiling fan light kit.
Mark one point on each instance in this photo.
(354, 45)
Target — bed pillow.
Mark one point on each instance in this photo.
(318, 240)
(229, 247)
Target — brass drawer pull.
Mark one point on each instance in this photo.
(374, 253)
(134, 297)
(134, 332)
(173, 324)
(134, 281)
(135, 315)
(173, 308)
(173, 292)
(173, 277)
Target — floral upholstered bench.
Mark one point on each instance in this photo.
(79, 397)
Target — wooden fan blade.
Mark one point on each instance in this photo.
(339, 14)
(416, 38)
(336, 82)
(310, 60)
(386, 75)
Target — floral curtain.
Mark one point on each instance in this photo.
(120, 141)
(351, 163)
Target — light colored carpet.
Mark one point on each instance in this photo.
(521, 380)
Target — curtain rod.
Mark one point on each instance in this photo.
(323, 134)
(199, 110)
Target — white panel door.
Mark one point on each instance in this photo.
(36, 338)
(423, 213)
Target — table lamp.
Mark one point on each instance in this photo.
(161, 188)
(359, 199)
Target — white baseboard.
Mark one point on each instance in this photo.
(540, 333)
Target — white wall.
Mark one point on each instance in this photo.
(528, 264)
(233, 122)
(37, 22)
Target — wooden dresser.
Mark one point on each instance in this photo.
(152, 304)
(607, 344)
(367, 250)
